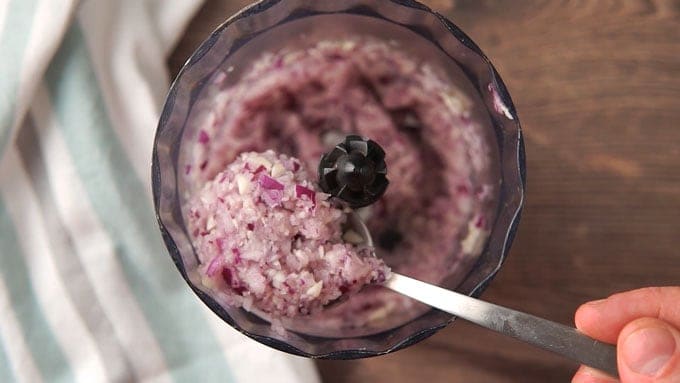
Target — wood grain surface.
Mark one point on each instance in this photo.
(597, 87)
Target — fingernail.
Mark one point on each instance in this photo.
(647, 350)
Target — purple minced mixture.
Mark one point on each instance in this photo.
(267, 239)
(434, 218)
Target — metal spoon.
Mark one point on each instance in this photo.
(551, 336)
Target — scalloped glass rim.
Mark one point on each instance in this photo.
(510, 145)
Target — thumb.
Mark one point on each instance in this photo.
(649, 352)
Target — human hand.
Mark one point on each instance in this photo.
(645, 326)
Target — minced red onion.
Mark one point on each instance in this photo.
(305, 191)
(269, 183)
(293, 261)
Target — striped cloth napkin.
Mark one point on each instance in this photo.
(87, 290)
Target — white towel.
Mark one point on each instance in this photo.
(87, 290)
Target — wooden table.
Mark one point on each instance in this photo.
(597, 87)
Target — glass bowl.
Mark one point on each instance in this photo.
(272, 24)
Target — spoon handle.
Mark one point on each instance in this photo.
(551, 336)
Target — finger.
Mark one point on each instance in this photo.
(604, 319)
(649, 352)
(589, 375)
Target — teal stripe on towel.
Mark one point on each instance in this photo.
(5, 369)
(48, 355)
(122, 205)
(13, 42)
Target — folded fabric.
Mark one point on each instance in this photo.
(87, 290)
